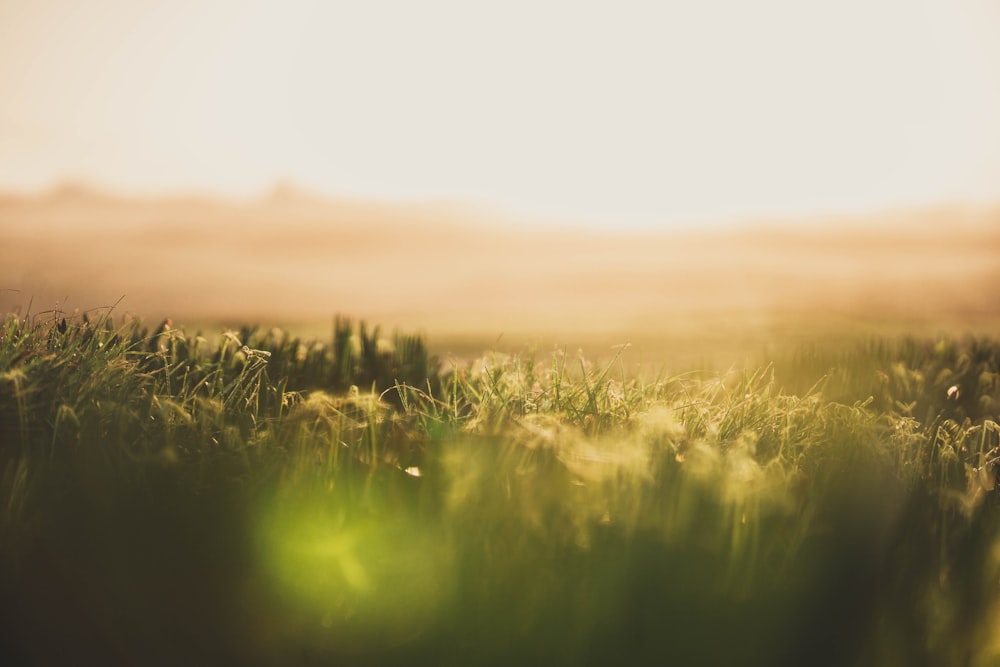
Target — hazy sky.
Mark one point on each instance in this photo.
(636, 112)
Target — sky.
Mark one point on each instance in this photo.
(646, 114)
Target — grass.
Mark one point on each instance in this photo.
(270, 500)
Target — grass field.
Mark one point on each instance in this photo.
(247, 497)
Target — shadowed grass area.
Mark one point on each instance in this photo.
(267, 500)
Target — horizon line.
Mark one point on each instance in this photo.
(289, 192)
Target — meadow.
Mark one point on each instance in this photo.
(250, 497)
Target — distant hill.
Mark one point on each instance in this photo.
(291, 255)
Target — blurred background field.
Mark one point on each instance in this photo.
(470, 280)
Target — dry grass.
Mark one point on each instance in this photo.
(169, 498)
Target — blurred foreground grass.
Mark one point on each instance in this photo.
(260, 499)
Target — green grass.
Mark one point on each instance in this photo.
(269, 500)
